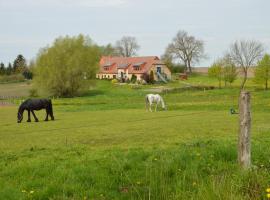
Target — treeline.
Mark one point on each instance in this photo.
(19, 67)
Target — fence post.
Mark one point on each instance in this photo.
(244, 158)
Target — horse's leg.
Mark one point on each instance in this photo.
(150, 106)
(47, 113)
(36, 119)
(156, 107)
(29, 117)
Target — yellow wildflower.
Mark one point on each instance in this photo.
(268, 190)
(268, 195)
(31, 192)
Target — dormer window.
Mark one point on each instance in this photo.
(107, 66)
(137, 66)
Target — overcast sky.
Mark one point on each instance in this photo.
(28, 25)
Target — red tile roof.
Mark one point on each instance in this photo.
(114, 63)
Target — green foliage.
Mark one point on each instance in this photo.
(216, 71)
(64, 68)
(133, 78)
(262, 71)
(151, 77)
(114, 81)
(19, 64)
(2, 69)
(229, 71)
(108, 50)
(223, 69)
(11, 78)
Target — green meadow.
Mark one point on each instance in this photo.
(105, 146)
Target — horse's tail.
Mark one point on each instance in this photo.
(51, 109)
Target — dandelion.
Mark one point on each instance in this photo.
(268, 190)
(268, 195)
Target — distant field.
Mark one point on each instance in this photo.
(14, 90)
(104, 145)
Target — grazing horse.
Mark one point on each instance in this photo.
(35, 104)
(154, 98)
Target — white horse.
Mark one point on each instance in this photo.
(154, 98)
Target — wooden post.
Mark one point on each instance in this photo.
(244, 130)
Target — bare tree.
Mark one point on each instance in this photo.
(245, 54)
(187, 48)
(127, 46)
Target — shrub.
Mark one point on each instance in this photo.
(114, 81)
(64, 68)
(151, 77)
(11, 78)
(133, 78)
(33, 92)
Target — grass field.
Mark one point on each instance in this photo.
(104, 145)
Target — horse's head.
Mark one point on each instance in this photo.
(164, 107)
(20, 116)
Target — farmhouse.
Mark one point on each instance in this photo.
(123, 68)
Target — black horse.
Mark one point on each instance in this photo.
(35, 104)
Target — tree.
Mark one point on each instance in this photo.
(229, 70)
(262, 71)
(186, 48)
(2, 69)
(9, 69)
(174, 67)
(216, 71)
(245, 54)
(127, 46)
(151, 77)
(64, 68)
(108, 50)
(19, 64)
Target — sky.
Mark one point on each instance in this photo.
(28, 25)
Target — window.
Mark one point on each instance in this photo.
(136, 68)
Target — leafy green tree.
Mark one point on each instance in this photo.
(64, 68)
(2, 69)
(19, 64)
(108, 50)
(229, 70)
(9, 69)
(262, 71)
(216, 71)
